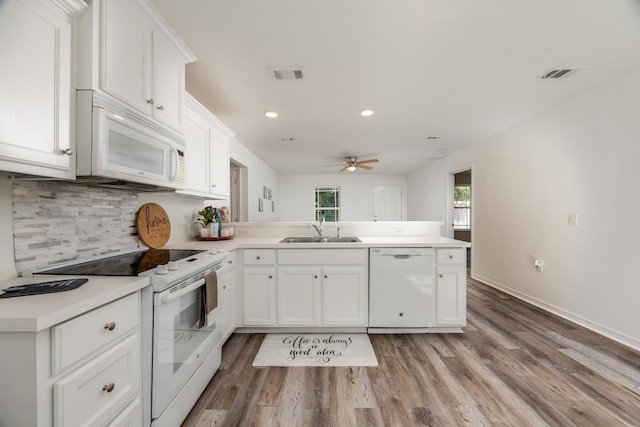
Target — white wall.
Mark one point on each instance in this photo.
(580, 157)
(259, 175)
(296, 200)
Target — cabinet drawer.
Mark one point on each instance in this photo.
(98, 391)
(451, 256)
(83, 335)
(131, 416)
(322, 256)
(259, 256)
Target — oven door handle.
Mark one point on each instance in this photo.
(170, 296)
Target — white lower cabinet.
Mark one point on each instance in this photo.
(345, 296)
(299, 297)
(85, 371)
(451, 287)
(259, 308)
(306, 288)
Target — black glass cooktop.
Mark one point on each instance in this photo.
(130, 264)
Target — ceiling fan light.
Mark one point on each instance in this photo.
(351, 168)
(271, 114)
(366, 113)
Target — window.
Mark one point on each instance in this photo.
(328, 204)
(462, 207)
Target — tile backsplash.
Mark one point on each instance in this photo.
(56, 221)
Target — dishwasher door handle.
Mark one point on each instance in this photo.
(402, 256)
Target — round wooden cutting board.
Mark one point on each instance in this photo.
(153, 225)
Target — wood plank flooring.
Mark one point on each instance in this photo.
(515, 365)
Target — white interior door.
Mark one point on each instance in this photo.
(387, 203)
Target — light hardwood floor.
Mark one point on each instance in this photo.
(514, 365)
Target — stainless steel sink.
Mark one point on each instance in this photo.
(318, 239)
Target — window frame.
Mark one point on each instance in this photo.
(337, 202)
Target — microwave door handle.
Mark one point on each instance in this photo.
(168, 296)
(174, 163)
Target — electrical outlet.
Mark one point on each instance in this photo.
(573, 219)
(397, 230)
(538, 265)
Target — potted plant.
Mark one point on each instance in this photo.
(206, 216)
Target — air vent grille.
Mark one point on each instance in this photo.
(558, 73)
(291, 73)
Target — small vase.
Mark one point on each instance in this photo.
(204, 232)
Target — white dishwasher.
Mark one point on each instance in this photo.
(401, 288)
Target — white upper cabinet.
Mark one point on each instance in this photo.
(135, 57)
(35, 87)
(207, 155)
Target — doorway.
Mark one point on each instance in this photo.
(238, 185)
(460, 216)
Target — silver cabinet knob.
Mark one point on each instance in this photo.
(450, 256)
(315, 276)
(161, 107)
(108, 387)
(440, 275)
(67, 151)
(150, 101)
(110, 326)
(270, 277)
(258, 257)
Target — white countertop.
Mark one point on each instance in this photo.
(34, 313)
(367, 242)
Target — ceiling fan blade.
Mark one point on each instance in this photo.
(368, 161)
(343, 169)
(364, 167)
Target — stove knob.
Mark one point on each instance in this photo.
(162, 269)
(172, 265)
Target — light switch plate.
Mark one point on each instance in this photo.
(573, 219)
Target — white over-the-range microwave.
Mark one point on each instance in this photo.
(117, 143)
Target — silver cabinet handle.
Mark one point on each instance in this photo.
(326, 277)
(440, 275)
(150, 101)
(450, 256)
(108, 387)
(315, 276)
(110, 326)
(270, 277)
(67, 151)
(161, 107)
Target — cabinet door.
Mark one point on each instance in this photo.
(197, 155)
(345, 296)
(219, 164)
(299, 296)
(35, 89)
(126, 54)
(168, 84)
(259, 294)
(229, 300)
(451, 297)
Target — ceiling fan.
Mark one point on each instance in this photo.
(352, 163)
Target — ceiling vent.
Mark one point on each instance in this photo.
(294, 73)
(558, 73)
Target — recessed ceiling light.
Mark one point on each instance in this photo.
(271, 114)
(366, 113)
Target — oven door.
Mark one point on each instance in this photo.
(179, 345)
